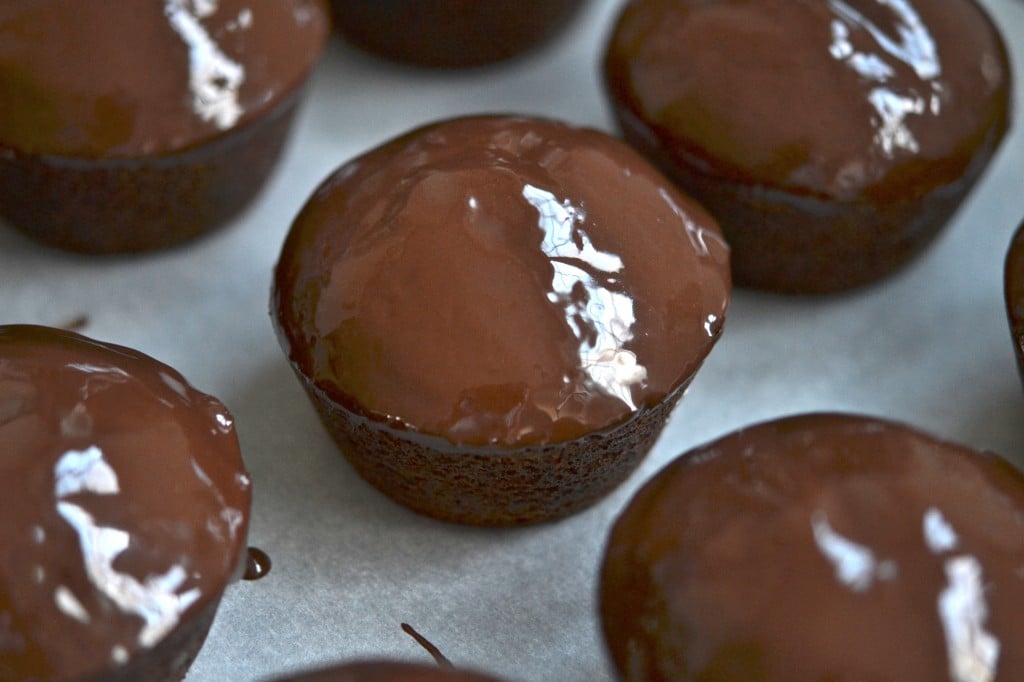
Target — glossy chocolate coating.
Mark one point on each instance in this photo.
(389, 671)
(820, 547)
(494, 316)
(124, 80)
(168, 125)
(126, 507)
(451, 33)
(832, 139)
(1014, 290)
(502, 281)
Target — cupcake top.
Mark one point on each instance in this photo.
(836, 98)
(127, 79)
(498, 280)
(126, 503)
(821, 547)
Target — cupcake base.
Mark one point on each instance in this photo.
(141, 204)
(490, 486)
(801, 244)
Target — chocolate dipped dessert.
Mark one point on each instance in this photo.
(389, 671)
(494, 315)
(831, 140)
(125, 511)
(820, 547)
(1014, 291)
(135, 126)
(451, 33)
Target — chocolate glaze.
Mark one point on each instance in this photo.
(451, 33)
(430, 647)
(126, 506)
(820, 547)
(1014, 290)
(853, 111)
(389, 671)
(257, 564)
(502, 281)
(149, 78)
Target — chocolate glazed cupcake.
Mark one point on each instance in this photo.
(820, 547)
(1014, 289)
(126, 509)
(451, 33)
(136, 126)
(494, 316)
(832, 140)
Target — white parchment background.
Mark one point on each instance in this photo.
(930, 346)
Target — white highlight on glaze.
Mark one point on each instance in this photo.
(855, 565)
(214, 79)
(914, 46)
(68, 603)
(174, 384)
(242, 21)
(204, 8)
(155, 600)
(118, 654)
(893, 109)
(938, 533)
(99, 369)
(697, 235)
(77, 423)
(709, 324)
(233, 518)
(973, 651)
(101, 376)
(608, 314)
(84, 471)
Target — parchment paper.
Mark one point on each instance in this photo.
(930, 347)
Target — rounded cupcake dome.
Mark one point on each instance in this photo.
(128, 128)
(483, 293)
(126, 510)
(821, 546)
(832, 141)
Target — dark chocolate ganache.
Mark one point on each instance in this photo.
(1014, 291)
(820, 547)
(840, 99)
(498, 280)
(125, 503)
(120, 79)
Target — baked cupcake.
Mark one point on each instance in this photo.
(820, 547)
(831, 140)
(136, 126)
(126, 509)
(389, 671)
(451, 33)
(1014, 290)
(494, 316)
